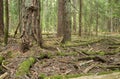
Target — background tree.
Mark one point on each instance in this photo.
(1, 18)
(80, 18)
(60, 18)
(66, 21)
(7, 22)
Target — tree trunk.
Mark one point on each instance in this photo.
(80, 19)
(60, 18)
(66, 21)
(1, 18)
(31, 29)
(7, 22)
(74, 17)
(97, 17)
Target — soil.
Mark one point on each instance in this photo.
(81, 56)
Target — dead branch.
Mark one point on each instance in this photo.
(95, 58)
(5, 67)
(109, 67)
(3, 76)
(84, 63)
(89, 68)
(78, 51)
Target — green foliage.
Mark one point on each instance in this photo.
(49, 11)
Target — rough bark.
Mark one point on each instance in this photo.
(74, 17)
(80, 18)
(67, 21)
(31, 29)
(97, 17)
(1, 18)
(7, 22)
(60, 18)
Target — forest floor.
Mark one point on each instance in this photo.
(81, 56)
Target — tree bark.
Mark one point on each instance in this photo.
(1, 18)
(66, 21)
(60, 18)
(97, 17)
(7, 22)
(80, 19)
(74, 17)
(31, 29)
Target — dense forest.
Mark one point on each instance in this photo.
(59, 39)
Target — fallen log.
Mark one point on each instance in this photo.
(24, 67)
(95, 58)
(110, 67)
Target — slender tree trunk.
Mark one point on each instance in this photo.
(37, 26)
(1, 18)
(60, 18)
(110, 23)
(97, 17)
(20, 14)
(66, 21)
(80, 19)
(74, 17)
(7, 22)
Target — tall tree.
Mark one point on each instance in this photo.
(6, 22)
(60, 18)
(80, 18)
(97, 17)
(74, 16)
(1, 18)
(31, 29)
(66, 21)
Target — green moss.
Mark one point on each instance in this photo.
(9, 54)
(66, 54)
(45, 55)
(25, 66)
(56, 77)
(94, 52)
(66, 76)
(42, 76)
(1, 59)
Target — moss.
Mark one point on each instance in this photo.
(101, 53)
(1, 59)
(25, 66)
(42, 76)
(56, 77)
(66, 76)
(45, 55)
(9, 54)
(67, 54)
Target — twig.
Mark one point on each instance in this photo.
(5, 67)
(81, 64)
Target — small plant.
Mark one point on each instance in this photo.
(42, 76)
(45, 55)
